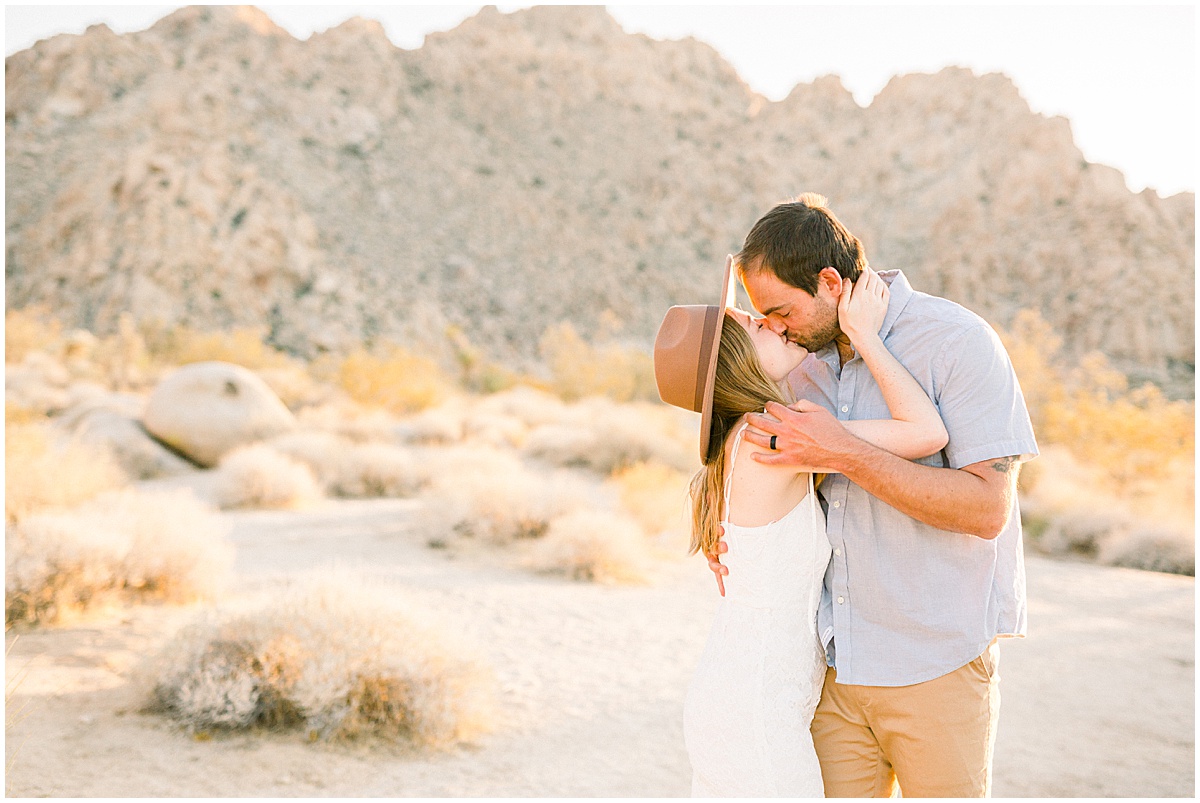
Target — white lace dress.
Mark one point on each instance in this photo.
(753, 695)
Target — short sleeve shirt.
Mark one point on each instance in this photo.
(905, 602)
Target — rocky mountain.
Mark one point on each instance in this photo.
(533, 167)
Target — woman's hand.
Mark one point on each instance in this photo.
(863, 306)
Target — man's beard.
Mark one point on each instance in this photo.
(826, 331)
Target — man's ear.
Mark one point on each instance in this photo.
(832, 281)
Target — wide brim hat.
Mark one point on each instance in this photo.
(685, 355)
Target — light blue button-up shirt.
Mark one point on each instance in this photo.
(905, 602)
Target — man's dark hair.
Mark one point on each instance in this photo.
(797, 240)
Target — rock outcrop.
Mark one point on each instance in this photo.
(207, 409)
(533, 167)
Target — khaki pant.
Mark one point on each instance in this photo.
(934, 738)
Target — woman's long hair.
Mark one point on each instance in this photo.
(741, 386)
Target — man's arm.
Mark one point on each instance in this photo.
(975, 499)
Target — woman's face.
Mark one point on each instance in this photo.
(778, 355)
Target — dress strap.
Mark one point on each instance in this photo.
(737, 441)
(819, 559)
(812, 501)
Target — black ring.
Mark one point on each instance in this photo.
(773, 447)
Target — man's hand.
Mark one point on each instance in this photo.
(806, 434)
(714, 563)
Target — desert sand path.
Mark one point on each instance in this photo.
(1099, 701)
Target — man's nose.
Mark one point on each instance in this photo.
(775, 324)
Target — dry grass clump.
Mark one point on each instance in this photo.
(477, 374)
(1072, 508)
(1130, 434)
(1116, 478)
(31, 328)
(294, 386)
(353, 470)
(580, 369)
(121, 545)
(604, 437)
(593, 545)
(180, 345)
(492, 496)
(396, 379)
(46, 470)
(1161, 549)
(443, 424)
(38, 383)
(259, 476)
(529, 405)
(347, 418)
(378, 469)
(335, 656)
(655, 495)
(1113, 536)
(495, 429)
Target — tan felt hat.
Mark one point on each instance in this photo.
(685, 355)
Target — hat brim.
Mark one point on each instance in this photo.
(728, 298)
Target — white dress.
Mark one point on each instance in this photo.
(753, 695)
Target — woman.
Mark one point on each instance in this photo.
(763, 662)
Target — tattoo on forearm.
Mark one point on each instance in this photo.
(1005, 465)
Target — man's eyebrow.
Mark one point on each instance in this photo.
(773, 310)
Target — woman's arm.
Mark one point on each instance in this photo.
(915, 429)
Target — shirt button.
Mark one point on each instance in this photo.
(841, 600)
(837, 504)
(837, 551)
(845, 408)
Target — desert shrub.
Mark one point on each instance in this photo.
(492, 496)
(396, 380)
(443, 424)
(294, 386)
(1082, 528)
(495, 429)
(1157, 549)
(580, 369)
(123, 544)
(119, 360)
(1070, 507)
(1085, 405)
(1109, 533)
(39, 384)
(18, 413)
(378, 469)
(593, 545)
(259, 476)
(348, 469)
(336, 656)
(654, 495)
(605, 437)
(348, 419)
(179, 345)
(44, 469)
(29, 329)
(477, 374)
(530, 405)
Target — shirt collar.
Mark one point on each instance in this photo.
(901, 294)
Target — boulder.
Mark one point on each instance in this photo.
(206, 409)
(114, 420)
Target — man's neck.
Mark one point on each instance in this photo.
(844, 349)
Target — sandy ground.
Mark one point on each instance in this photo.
(1098, 701)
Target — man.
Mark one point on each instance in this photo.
(927, 567)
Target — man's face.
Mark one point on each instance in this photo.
(811, 321)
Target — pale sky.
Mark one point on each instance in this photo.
(1125, 76)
